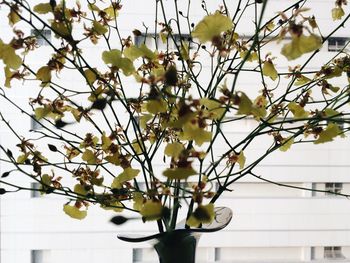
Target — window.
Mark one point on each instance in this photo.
(35, 192)
(333, 188)
(40, 256)
(333, 253)
(35, 124)
(337, 43)
(150, 41)
(42, 36)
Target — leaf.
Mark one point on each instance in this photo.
(74, 212)
(259, 107)
(119, 220)
(179, 173)
(45, 183)
(116, 206)
(156, 106)
(99, 28)
(212, 26)
(44, 74)
(302, 80)
(9, 56)
(252, 56)
(22, 158)
(114, 159)
(286, 144)
(127, 175)
(174, 149)
(151, 210)
(111, 11)
(89, 157)
(332, 130)
(138, 200)
(331, 112)
(241, 160)
(90, 76)
(114, 58)
(204, 214)
(215, 108)
(298, 111)
(300, 45)
(52, 148)
(43, 8)
(245, 105)
(147, 53)
(133, 52)
(144, 119)
(80, 190)
(5, 174)
(13, 17)
(41, 112)
(337, 13)
(193, 132)
(8, 76)
(106, 142)
(61, 29)
(269, 70)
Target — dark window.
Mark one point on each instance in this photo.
(43, 37)
(337, 43)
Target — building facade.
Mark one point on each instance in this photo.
(271, 223)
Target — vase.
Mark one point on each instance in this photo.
(180, 245)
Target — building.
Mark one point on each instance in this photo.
(270, 223)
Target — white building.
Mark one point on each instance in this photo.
(270, 223)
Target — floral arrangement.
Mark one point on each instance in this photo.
(146, 131)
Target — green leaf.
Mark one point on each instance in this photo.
(204, 214)
(60, 29)
(9, 56)
(111, 11)
(44, 74)
(179, 173)
(41, 112)
(114, 58)
(337, 13)
(80, 190)
(43, 8)
(298, 111)
(286, 144)
(99, 28)
(156, 106)
(89, 157)
(214, 107)
(212, 26)
(241, 160)
(8, 76)
(133, 52)
(21, 159)
(138, 200)
(332, 130)
(269, 70)
(127, 175)
(300, 45)
(174, 149)
(245, 105)
(151, 210)
(193, 132)
(90, 76)
(13, 17)
(74, 212)
(302, 80)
